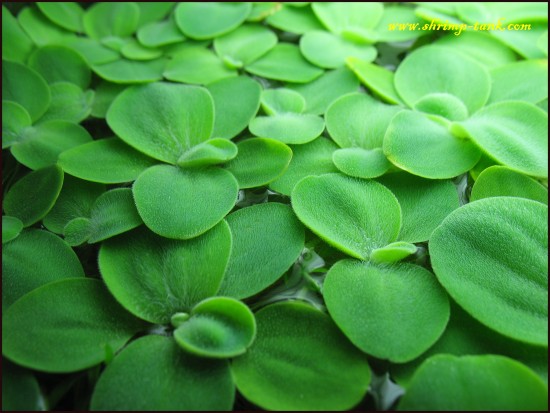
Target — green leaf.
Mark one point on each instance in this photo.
(483, 47)
(136, 51)
(424, 203)
(113, 213)
(108, 161)
(151, 11)
(294, 20)
(485, 382)
(75, 200)
(69, 103)
(382, 308)
(259, 162)
(524, 42)
(105, 93)
(162, 110)
(65, 14)
(35, 258)
(438, 69)
(279, 101)
(396, 251)
(285, 62)
(181, 204)
(155, 277)
(466, 336)
(160, 33)
(502, 181)
(525, 80)
(506, 242)
(111, 19)
(219, 327)
(244, 45)
(197, 65)
(79, 321)
(20, 389)
(267, 240)
(34, 195)
(231, 119)
(377, 78)
(15, 119)
(290, 128)
(313, 158)
(16, 45)
(262, 10)
(130, 71)
(90, 50)
(444, 105)
(23, 85)
(369, 215)
(421, 146)
(207, 20)
(398, 13)
(11, 228)
(324, 90)
(40, 146)
(175, 380)
(514, 134)
(330, 51)
(361, 163)
(211, 152)
(357, 120)
(40, 29)
(300, 361)
(59, 64)
(351, 20)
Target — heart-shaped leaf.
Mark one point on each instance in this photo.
(61, 64)
(197, 65)
(444, 105)
(285, 62)
(22, 85)
(438, 69)
(324, 90)
(177, 203)
(35, 258)
(176, 380)
(244, 45)
(80, 324)
(106, 161)
(513, 133)
(11, 228)
(162, 110)
(421, 146)
(502, 181)
(155, 277)
(330, 51)
(259, 162)
(377, 78)
(369, 215)
(219, 327)
(381, 309)
(232, 119)
(34, 195)
(211, 152)
(221, 18)
(424, 203)
(313, 158)
(103, 20)
(65, 14)
(506, 242)
(113, 213)
(16, 45)
(290, 128)
(282, 369)
(267, 240)
(361, 163)
(485, 382)
(357, 120)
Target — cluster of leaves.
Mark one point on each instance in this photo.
(211, 206)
